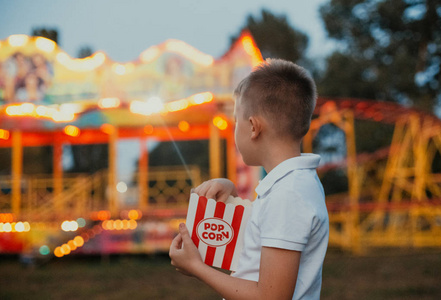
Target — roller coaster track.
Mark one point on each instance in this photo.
(394, 193)
(378, 111)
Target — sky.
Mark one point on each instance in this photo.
(123, 29)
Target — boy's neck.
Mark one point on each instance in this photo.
(277, 152)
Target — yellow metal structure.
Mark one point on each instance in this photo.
(348, 223)
(402, 189)
(215, 152)
(112, 192)
(84, 194)
(170, 187)
(17, 167)
(143, 195)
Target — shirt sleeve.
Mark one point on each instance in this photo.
(285, 221)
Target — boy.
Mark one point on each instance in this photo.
(287, 234)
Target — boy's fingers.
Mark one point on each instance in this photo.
(201, 189)
(183, 232)
(176, 243)
(223, 198)
(212, 192)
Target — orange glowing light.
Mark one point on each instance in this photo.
(29, 109)
(71, 130)
(27, 226)
(65, 249)
(24, 109)
(148, 129)
(72, 245)
(78, 241)
(13, 227)
(125, 224)
(134, 214)
(58, 252)
(184, 126)
(252, 50)
(155, 105)
(202, 98)
(6, 217)
(103, 215)
(107, 129)
(220, 123)
(182, 104)
(4, 134)
(118, 225)
(132, 224)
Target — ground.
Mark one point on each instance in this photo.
(383, 274)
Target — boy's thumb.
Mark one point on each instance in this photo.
(183, 231)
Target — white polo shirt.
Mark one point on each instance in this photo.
(289, 213)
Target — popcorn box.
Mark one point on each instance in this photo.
(217, 229)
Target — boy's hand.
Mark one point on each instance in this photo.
(184, 254)
(218, 189)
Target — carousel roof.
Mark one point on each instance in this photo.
(43, 89)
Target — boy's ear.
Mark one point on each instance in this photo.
(256, 127)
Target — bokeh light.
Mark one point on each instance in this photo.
(121, 187)
(81, 222)
(69, 226)
(220, 122)
(44, 250)
(184, 126)
(78, 241)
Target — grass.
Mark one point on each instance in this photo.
(387, 274)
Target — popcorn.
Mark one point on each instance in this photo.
(217, 229)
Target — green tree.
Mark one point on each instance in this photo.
(85, 51)
(389, 50)
(49, 33)
(275, 37)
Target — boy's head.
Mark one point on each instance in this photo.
(281, 92)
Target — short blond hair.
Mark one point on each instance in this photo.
(281, 91)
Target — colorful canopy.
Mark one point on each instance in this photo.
(43, 89)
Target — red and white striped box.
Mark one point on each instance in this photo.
(217, 229)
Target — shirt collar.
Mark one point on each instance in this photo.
(305, 161)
